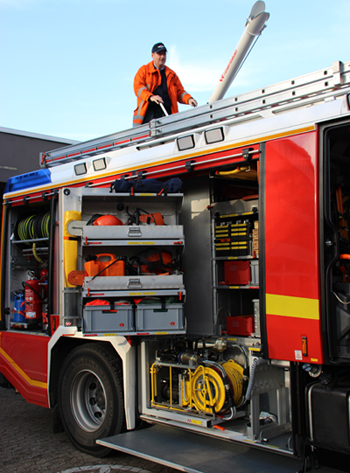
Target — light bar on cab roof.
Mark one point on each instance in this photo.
(28, 180)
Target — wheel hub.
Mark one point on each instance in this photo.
(88, 400)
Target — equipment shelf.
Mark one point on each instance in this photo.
(33, 240)
(91, 194)
(120, 243)
(233, 258)
(236, 287)
(137, 333)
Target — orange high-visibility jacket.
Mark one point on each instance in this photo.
(147, 79)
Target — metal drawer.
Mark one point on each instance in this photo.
(120, 283)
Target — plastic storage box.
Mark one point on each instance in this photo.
(237, 273)
(154, 317)
(240, 325)
(104, 319)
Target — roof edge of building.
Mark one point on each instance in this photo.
(29, 134)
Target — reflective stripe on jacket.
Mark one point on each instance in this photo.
(147, 79)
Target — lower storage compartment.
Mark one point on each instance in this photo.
(103, 318)
(160, 317)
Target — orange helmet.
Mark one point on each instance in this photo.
(107, 220)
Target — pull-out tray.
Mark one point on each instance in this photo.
(132, 232)
(122, 283)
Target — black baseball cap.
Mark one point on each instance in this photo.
(159, 47)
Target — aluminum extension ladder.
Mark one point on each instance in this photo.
(322, 85)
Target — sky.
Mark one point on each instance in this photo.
(67, 66)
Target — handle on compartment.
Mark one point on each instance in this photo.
(134, 232)
(134, 282)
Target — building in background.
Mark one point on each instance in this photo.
(19, 151)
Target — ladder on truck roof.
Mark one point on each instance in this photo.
(295, 93)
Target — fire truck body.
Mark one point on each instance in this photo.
(228, 316)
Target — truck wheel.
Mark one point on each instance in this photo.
(91, 397)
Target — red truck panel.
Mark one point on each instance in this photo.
(292, 249)
(23, 361)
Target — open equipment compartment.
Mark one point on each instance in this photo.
(135, 248)
(235, 229)
(30, 254)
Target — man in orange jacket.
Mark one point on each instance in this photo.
(155, 83)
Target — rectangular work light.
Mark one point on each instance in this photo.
(214, 136)
(99, 164)
(80, 169)
(185, 142)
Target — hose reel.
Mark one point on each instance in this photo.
(205, 390)
(33, 227)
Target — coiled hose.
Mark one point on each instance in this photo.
(229, 395)
(34, 227)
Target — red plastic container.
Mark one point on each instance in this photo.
(241, 325)
(237, 273)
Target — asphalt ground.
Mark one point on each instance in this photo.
(28, 444)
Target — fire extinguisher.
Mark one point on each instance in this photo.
(32, 298)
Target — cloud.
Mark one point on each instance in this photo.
(204, 76)
(197, 77)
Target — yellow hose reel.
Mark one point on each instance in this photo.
(205, 391)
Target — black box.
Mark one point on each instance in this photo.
(328, 410)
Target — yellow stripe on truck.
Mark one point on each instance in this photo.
(289, 306)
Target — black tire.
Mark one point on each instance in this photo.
(90, 397)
